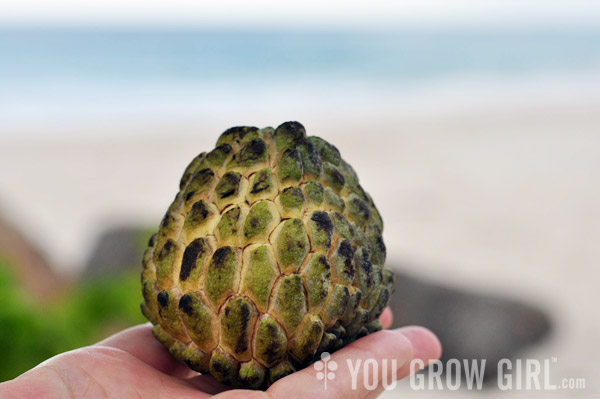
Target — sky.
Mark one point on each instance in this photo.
(302, 14)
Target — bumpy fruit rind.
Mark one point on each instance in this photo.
(270, 254)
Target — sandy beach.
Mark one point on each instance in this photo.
(497, 199)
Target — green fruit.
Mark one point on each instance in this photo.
(270, 254)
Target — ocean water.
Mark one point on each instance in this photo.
(56, 76)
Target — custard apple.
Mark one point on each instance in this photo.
(270, 254)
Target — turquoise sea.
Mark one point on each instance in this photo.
(51, 75)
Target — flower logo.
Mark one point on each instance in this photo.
(325, 368)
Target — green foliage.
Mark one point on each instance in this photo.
(32, 331)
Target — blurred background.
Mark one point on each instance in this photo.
(484, 115)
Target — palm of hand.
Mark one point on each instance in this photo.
(133, 364)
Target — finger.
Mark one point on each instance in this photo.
(386, 318)
(207, 383)
(387, 344)
(426, 347)
(100, 372)
(243, 394)
(139, 342)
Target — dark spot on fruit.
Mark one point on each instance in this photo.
(322, 221)
(218, 155)
(272, 349)
(224, 148)
(200, 208)
(366, 266)
(254, 150)
(250, 380)
(361, 208)
(380, 245)
(313, 154)
(336, 177)
(345, 250)
(323, 262)
(229, 184)
(166, 220)
(362, 332)
(258, 187)
(204, 175)
(200, 180)
(184, 179)
(190, 255)
(166, 250)
(242, 341)
(292, 154)
(358, 298)
(228, 193)
(198, 213)
(346, 297)
(185, 304)
(238, 133)
(220, 256)
(218, 366)
(163, 298)
(261, 183)
(293, 129)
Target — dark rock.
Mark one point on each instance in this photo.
(118, 249)
(469, 325)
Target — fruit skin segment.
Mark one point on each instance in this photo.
(270, 254)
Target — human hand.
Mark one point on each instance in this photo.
(133, 364)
